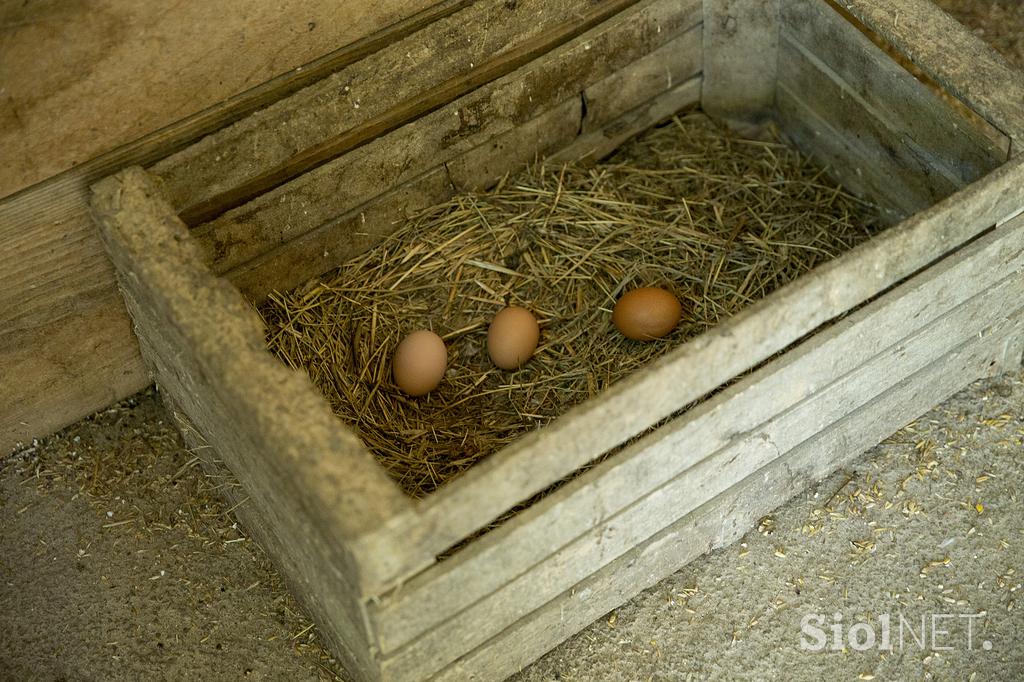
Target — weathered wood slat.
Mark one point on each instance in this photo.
(741, 40)
(364, 90)
(595, 145)
(66, 345)
(673, 63)
(690, 371)
(846, 163)
(618, 107)
(358, 177)
(958, 60)
(706, 476)
(269, 176)
(484, 165)
(207, 343)
(910, 177)
(536, 533)
(727, 517)
(908, 107)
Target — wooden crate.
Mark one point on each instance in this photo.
(830, 364)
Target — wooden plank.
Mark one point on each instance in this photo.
(432, 96)
(723, 520)
(536, 533)
(906, 106)
(844, 162)
(358, 93)
(334, 242)
(612, 114)
(359, 176)
(484, 165)
(690, 371)
(741, 40)
(705, 475)
(676, 62)
(64, 367)
(597, 144)
(206, 344)
(59, 302)
(957, 59)
(909, 176)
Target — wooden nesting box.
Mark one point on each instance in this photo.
(830, 364)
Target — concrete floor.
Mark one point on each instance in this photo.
(119, 562)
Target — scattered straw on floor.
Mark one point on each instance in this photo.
(720, 221)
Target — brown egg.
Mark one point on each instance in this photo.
(646, 313)
(420, 361)
(512, 337)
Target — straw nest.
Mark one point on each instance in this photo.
(719, 221)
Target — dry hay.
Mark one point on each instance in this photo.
(718, 220)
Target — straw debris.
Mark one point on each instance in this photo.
(719, 221)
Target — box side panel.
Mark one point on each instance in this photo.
(724, 519)
(456, 43)
(881, 131)
(313, 482)
(540, 532)
(338, 613)
(957, 59)
(957, 140)
(741, 41)
(248, 239)
(707, 474)
(65, 338)
(694, 369)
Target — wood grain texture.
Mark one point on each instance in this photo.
(334, 606)
(356, 94)
(685, 374)
(902, 174)
(58, 302)
(516, 547)
(890, 93)
(812, 134)
(485, 165)
(82, 78)
(676, 62)
(592, 146)
(953, 56)
(709, 474)
(344, 184)
(205, 346)
(726, 518)
(427, 96)
(333, 242)
(741, 40)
